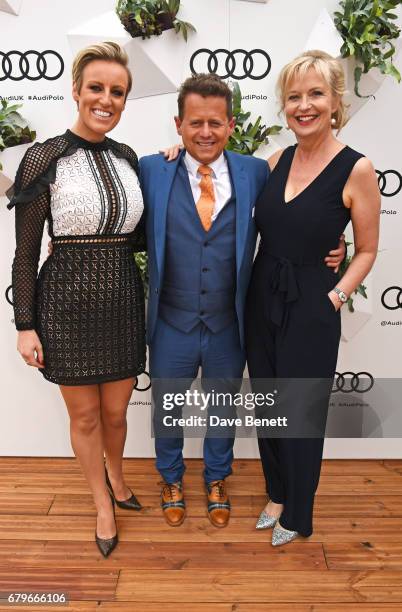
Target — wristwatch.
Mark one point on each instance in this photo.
(341, 294)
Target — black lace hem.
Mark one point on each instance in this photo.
(92, 380)
(72, 143)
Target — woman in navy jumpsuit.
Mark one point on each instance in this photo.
(293, 309)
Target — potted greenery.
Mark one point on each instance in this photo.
(247, 138)
(367, 28)
(148, 18)
(14, 129)
(141, 259)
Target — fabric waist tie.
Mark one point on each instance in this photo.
(284, 285)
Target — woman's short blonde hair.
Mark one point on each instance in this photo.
(329, 68)
(107, 51)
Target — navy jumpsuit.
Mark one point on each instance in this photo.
(292, 327)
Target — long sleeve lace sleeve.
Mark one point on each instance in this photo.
(30, 218)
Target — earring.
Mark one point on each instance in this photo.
(333, 121)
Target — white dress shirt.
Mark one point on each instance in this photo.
(220, 180)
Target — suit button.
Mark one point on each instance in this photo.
(205, 269)
(203, 291)
(202, 312)
(206, 243)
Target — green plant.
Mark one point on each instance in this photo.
(141, 259)
(14, 129)
(360, 289)
(247, 138)
(148, 18)
(367, 29)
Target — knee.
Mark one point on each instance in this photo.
(86, 421)
(112, 418)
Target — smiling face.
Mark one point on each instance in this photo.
(309, 105)
(205, 127)
(101, 99)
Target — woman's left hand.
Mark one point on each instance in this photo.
(334, 299)
(336, 256)
(171, 153)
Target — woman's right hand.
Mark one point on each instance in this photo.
(171, 153)
(30, 348)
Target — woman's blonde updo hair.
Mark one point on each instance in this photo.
(107, 51)
(329, 68)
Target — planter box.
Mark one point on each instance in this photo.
(156, 63)
(326, 37)
(352, 322)
(10, 6)
(10, 159)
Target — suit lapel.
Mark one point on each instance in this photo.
(164, 181)
(242, 193)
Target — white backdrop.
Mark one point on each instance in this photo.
(33, 419)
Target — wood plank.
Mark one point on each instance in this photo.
(25, 503)
(85, 606)
(240, 466)
(246, 607)
(243, 505)
(153, 529)
(193, 484)
(162, 555)
(93, 584)
(73, 606)
(364, 555)
(258, 587)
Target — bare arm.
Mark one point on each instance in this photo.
(362, 195)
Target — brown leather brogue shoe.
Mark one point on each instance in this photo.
(218, 503)
(173, 504)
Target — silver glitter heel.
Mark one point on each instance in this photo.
(282, 536)
(265, 521)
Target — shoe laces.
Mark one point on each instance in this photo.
(220, 486)
(170, 490)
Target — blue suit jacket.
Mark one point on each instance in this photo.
(248, 175)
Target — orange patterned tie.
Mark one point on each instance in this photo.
(205, 205)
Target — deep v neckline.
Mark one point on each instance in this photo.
(329, 164)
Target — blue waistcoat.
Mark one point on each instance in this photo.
(199, 282)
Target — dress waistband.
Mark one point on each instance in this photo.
(295, 261)
(91, 239)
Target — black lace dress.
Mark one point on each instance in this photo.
(87, 304)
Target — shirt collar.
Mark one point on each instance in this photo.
(219, 166)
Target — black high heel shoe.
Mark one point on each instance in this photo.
(107, 546)
(131, 503)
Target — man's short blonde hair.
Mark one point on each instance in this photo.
(329, 68)
(107, 51)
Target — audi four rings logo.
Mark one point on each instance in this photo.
(9, 297)
(238, 64)
(31, 65)
(349, 382)
(391, 298)
(143, 388)
(389, 182)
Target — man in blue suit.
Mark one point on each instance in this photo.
(201, 242)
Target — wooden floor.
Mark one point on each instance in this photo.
(352, 562)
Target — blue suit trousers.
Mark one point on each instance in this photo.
(175, 354)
